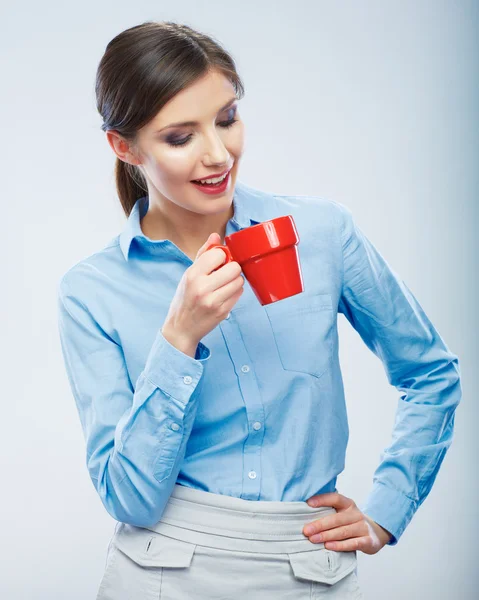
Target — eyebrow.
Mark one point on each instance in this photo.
(184, 123)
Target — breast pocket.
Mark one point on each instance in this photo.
(303, 327)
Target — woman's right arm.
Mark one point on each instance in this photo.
(135, 435)
(136, 432)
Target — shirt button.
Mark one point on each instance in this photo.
(245, 368)
(257, 425)
(187, 379)
(175, 426)
(252, 474)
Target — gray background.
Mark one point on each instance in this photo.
(373, 104)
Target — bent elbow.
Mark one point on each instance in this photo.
(139, 515)
(127, 504)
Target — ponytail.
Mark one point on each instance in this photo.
(130, 185)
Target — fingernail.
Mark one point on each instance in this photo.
(308, 530)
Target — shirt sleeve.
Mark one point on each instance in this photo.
(391, 322)
(136, 435)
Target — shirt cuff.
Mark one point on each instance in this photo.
(389, 508)
(174, 372)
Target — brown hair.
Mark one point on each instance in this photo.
(142, 68)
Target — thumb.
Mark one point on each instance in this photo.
(213, 238)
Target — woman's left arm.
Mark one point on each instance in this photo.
(389, 319)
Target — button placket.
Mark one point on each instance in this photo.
(249, 389)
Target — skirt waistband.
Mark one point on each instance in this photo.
(231, 523)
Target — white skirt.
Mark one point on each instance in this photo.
(210, 546)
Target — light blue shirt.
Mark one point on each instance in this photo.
(260, 412)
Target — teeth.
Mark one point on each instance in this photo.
(215, 180)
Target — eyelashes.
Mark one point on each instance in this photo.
(183, 141)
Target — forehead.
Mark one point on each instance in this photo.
(200, 100)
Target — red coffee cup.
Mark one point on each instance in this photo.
(268, 256)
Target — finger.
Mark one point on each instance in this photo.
(340, 533)
(359, 543)
(228, 273)
(224, 293)
(213, 238)
(331, 521)
(208, 261)
(330, 499)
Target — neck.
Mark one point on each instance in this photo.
(188, 230)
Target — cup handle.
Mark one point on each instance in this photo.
(226, 250)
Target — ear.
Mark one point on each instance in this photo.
(121, 147)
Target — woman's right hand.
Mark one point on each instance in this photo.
(203, 298)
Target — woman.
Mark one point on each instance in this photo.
(216, 427)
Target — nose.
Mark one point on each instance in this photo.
(216, 152)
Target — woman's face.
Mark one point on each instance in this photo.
(172, 156)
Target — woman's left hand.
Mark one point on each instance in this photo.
(346, 530)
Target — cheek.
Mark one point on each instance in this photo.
(174, 164)
(236, 139)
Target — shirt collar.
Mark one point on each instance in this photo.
(249, 209)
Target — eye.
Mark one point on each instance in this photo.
(184, 141)
(226, 124)
(178, 142)
(231, 121)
